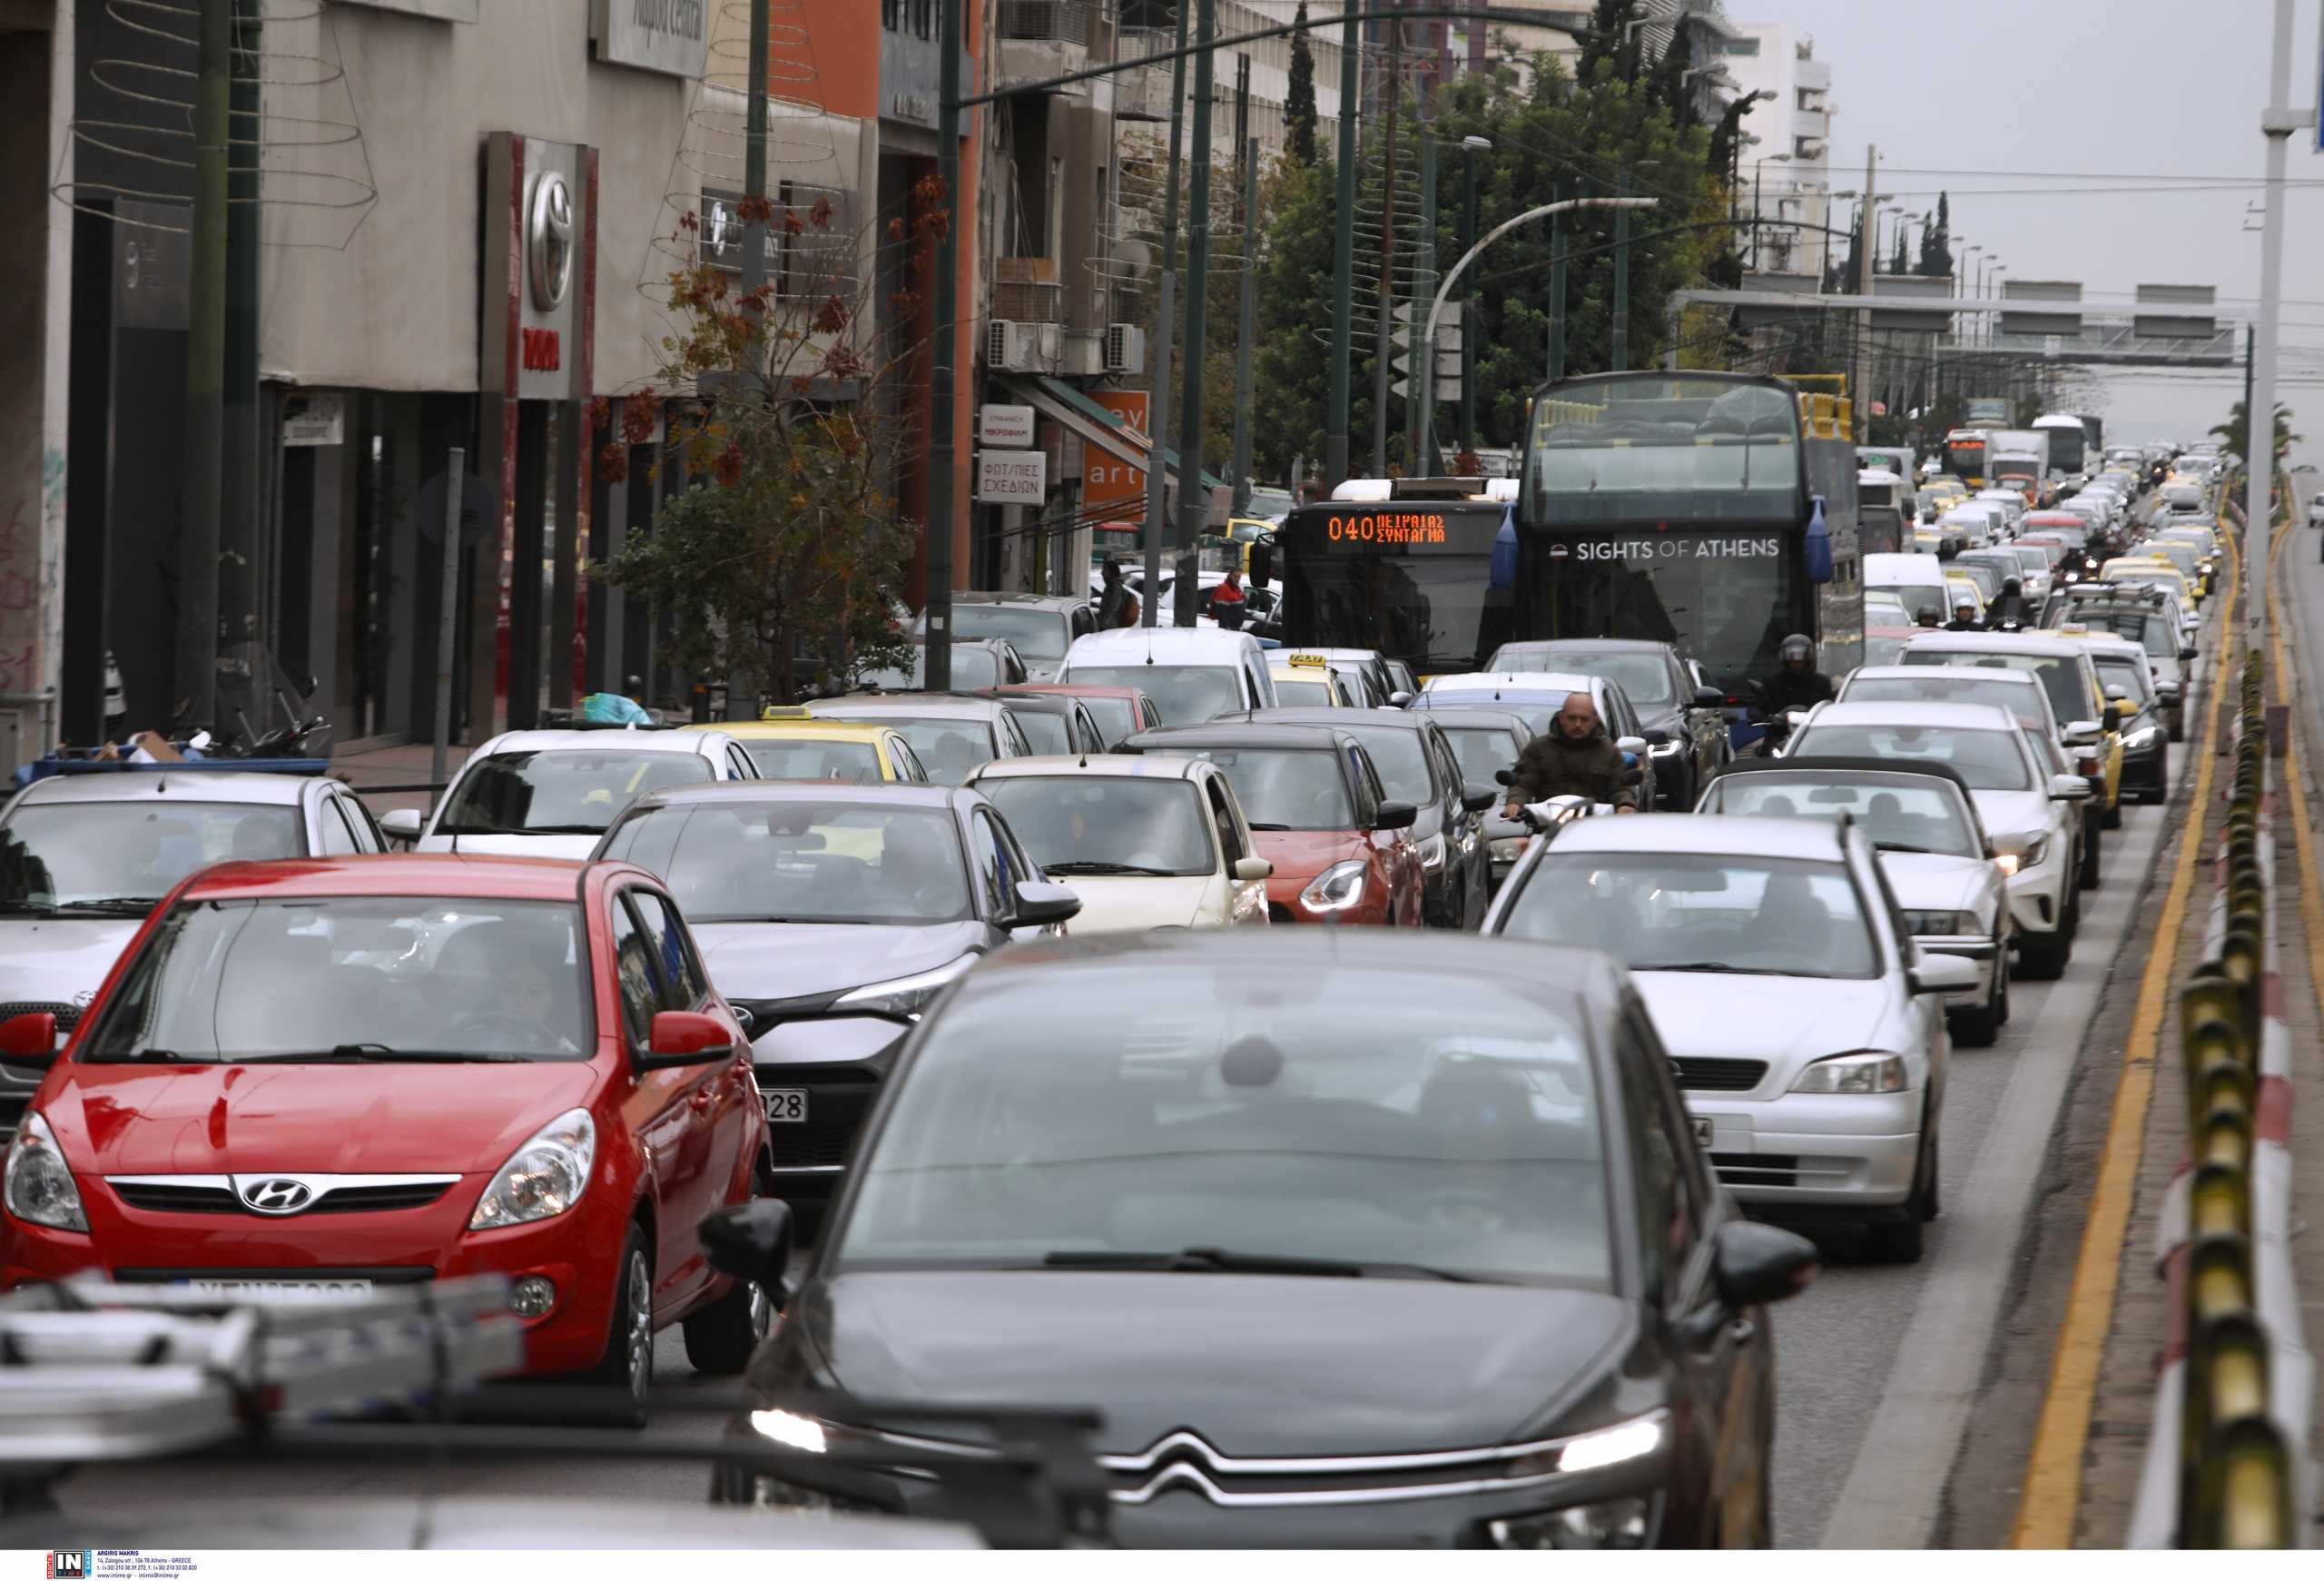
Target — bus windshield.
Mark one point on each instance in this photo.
(1415, 580)
(1723, 598)
(1655, 447)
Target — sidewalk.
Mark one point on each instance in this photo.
(406, 764)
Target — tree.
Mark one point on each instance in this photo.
(2235, 433)
(1610, 38)
(1899, 263)
(1936, 242)
(775, 566)
(1671, 78)
(1299, 103)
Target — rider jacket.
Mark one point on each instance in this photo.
(1802, 689)
(1552, 765)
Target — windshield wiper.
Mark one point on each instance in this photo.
(1271, 828)
(114, 904)
(1900, 845)
(1214, 1259)
(1706, 966)
(381, 1053)
(1094, 869)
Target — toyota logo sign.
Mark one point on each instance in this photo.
(277, 1196)
(549, 240)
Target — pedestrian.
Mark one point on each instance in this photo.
(1116, 605)
(1228, 603)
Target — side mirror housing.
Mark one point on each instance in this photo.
(29, 1042)
(2068, 788)
(1657, 738)
(685, 1037)
(750, 1241)
(1709, 698)
(2187, 653)
(1475, 799)
(1633, 745)
(1400, 699)
(1754, 1264)
(1249, 869)
(403, 824)
(1041, 905)
(2084, 733)
(2116, 694)
(1937, 973)
(1396, 815)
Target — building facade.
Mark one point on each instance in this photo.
(1785, 159)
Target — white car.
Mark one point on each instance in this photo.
(1933, 849)
(554, 793)
(88, 855)
(1193, 675)
(1146, 842)
(2031, 813)
(1805, 1028)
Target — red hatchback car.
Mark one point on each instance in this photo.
(327, 1074)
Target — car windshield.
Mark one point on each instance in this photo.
(1919, 599)
(1672, 911)
(2130, 674)
(1330, 1118)
(973, 667)
(575, 791)
(1882, 649)
(2020, 701)
(1281, 787)
(1116, 717)
(949, 749)
(1105, 825)
(801, 861)
(1483, 751)
(123, 856)
(1896, 815)
(839, 762)
(1044, 731)
(1644, 677)
(353, 980)
(1292, 693)
(2059, 675)
(1984, 759)
(1397, 753)
(1034, 633)
(1182, 694)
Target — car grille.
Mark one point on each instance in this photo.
(1720, 1075)
(836, 1105)
(1756, 1168)
(155, 1197)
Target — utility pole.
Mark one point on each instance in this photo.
(2250, 338)
(242, 461)
(2260, 411)
(1621, 361)
(942, 398)
(1470, 148)
(205, 372)
(1246, 325)
(1387, 316)
(1557, 285)
(755, 229)
(1157, 401)
(1419, 411)
(1343, 261)
(1866, 228)
(1192, 504)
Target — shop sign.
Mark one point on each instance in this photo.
(315, 421)
(670, 36)
(1012, 476)
(1005, 428)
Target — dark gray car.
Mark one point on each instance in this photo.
(828, 916)
(1684, 723)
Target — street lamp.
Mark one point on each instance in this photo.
(1757, 166)
(1471, 147)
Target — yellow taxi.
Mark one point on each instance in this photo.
(2149, 567)
(788, 744)
(1306, 680)
(2109, 748)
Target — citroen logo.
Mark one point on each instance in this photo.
(549, 239)
(277, 1196)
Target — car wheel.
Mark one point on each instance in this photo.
(628, 1364)
(2000, 954)
(1898, 1239)
(2043, 955)
(1929, 1202)
(2111, 819)
(722, 1336)
(1978, 1026)
(2088, 875)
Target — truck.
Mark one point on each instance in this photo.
(2019, 459)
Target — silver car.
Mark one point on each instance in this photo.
(1931, 846)
(1805, 1026)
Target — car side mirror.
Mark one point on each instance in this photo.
(750, 1241)
(1939, 973)
(1633, 745)
(685, 1037)
(2187, 653)
(2084, 733)
(2068, 788)
(1400, 699)
(1754, 1264)
(2117, 694)
(2125, 709)
(403, 824)
(1396, 815)
(29, 1042)
(1476, 799)
(1657, 738)
(1709, 698)
(1254, 869)
(1041, 905)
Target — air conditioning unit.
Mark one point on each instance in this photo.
(1124, 348)
(1011, 347)
(1085, 354)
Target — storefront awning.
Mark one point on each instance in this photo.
(1075, 412)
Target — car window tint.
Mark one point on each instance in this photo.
(993, 865)
(1228, 840)
(1661, 1210)
(634, 974)
(683, 987)
(337, 838)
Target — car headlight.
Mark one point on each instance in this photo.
(39, 1187)
(2014, 862)
(1939, 921)
(1338, 887)
(2140, 739)
(1431, 853)
(905, 996)
(1612, 1523)
(1859, 1072)
(543, 1178)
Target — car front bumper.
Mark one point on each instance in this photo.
(1814, 1155)
(836, 1063)
(2037, 894)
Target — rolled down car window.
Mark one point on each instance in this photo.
(1316, 1118)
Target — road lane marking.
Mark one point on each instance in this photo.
(2294, 779)
(2052, 1490)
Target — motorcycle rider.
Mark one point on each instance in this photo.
(1965, 615)
(1575, 758)
(1797, 683)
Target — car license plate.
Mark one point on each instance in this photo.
(785, 1106)
(1702, 1132)
(281, 1290)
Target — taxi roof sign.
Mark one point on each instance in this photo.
(786, 711)
(1309, 661)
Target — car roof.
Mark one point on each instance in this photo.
(700, 742)
(1067, 690)
(1295, 954)
(909, 705)
(1477, 718)
(1063, 604)
(1565, 683)
(1920, 672)
(749, 791)
(1835, 766)
(173, 785)
(1358, 655)
(811, 728)
(1728, 834)
(1040, 702)
(499, 877)
(1093, 766)
(1916, 716)
(1135, 644)
(1256, 734)
(1345, 719)
(1586, 645)
(2030, 643)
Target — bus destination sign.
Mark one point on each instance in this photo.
(1417, 528)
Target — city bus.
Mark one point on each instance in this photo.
(1964, 456)
(1427, 576)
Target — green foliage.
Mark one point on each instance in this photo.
(1936, 242)
(1299, 101)
(2235, 433)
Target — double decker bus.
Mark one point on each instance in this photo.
(1713, 511)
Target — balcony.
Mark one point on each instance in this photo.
(1039, 39)
(1142, 93)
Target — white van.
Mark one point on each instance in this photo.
(1918, 580)
(1192, 674)
(2011, 502)
(1980, 521)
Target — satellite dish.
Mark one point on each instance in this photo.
(475, 509)
(1136, 256)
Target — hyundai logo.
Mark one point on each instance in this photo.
(277, 1196)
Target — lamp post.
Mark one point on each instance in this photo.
(1470, 147)
(1757, 166)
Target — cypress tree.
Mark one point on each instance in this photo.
(1299, 105)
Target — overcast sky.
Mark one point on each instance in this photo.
(2164, 91)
